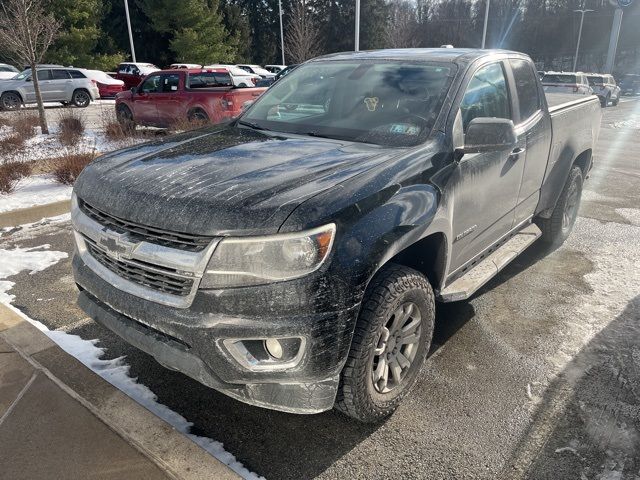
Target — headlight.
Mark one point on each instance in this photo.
(274, 258)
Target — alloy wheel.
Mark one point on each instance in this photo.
(396, 348)
(571, 207)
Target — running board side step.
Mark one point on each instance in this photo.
(470, 282)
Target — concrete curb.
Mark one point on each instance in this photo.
(33, 214)
(173, 452)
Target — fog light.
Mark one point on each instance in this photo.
(274, 347)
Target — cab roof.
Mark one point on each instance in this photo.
(457, 55)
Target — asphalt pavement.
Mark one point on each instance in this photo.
(537, 376)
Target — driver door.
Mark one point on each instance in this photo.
(484, 187)
(144, 101)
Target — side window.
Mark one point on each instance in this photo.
(151, 84)
(124, 69)
(60, 75)
(526, 88)
(487, 95)
(170, 82)
(76, 74)
(44, 74)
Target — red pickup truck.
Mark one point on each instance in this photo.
(167, 97)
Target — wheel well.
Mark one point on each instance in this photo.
(583, 161)
(428, 256)
(16, 92)
(197, 110)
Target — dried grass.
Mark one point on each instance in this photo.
(11, 173)
(70, 127)
(11, 143)
(66, 168)
(24, 124)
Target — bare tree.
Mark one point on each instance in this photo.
(303, 36)
(26, 32)
(402, 31)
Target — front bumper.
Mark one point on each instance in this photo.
(192, 340)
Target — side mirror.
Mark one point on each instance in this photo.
(489, 135)
(28, 79)
(134, 90)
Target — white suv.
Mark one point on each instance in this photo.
(57, 84)
(605, 87)
(566, 82)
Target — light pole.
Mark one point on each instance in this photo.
(126, 10)
(582, 12)
(613, 40)
(357, 39)
(486, 20)
(281, 32)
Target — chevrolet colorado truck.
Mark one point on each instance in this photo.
(292, 258)
(165, 97)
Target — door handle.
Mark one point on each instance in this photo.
(516, 152)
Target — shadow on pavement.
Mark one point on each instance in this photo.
(587, 425)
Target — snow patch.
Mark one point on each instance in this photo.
(34, 190)
(115, 371)
(33, 260)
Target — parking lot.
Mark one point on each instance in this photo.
(536, 376)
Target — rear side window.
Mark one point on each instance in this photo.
(169, 83)
(487, 95)
(77, 74)
(209, 80)
(60, 75)
(555, 78)
(526, 87)
(44, 74)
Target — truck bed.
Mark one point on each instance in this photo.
(558, 101)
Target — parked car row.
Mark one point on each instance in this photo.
(166, 97)
(580, 83)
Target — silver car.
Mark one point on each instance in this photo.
(57, 84)
(566, 82)
(604, 86)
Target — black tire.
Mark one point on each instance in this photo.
(125, 118)
(81, 98)
(389, 292)
(10, 101)
(198, 117)
(615, 102)
(604, 101)
(557, 228)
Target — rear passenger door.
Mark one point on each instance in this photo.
(533, 125)
(483, 190)
(60, 84)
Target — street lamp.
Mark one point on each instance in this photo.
(281, 32)
(486, 20)
(133, 51)
(582, 11)
(357, 39)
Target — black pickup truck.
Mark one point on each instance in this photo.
(292, 258)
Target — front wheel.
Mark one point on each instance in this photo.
(81, 98)
(125, 118)
(615, 102)
(557, 228)
(390, 344)
(10, 101)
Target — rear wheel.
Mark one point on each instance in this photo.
(125, 118)
(557, 228)
(616, 101)
(10, 101)
(81, 98)
(390, 343)
(198, 117)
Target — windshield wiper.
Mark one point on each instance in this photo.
(316, 134)
(255, 126)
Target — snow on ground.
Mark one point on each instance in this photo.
(114, 371)
(34, 190)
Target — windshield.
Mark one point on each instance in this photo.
(23, 75)
(388, 103)
(553, 78)
(595, 80)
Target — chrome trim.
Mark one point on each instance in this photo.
(241, 355)
(186, 264)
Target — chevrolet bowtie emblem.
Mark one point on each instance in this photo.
(115, 245)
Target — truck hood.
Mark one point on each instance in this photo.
(221, 181)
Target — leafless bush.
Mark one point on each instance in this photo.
(66, 168)
(11, 173)
(11, 143)
(71, 127)
(24, 124)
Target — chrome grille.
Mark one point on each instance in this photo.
(141, 233)
(151, 276)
